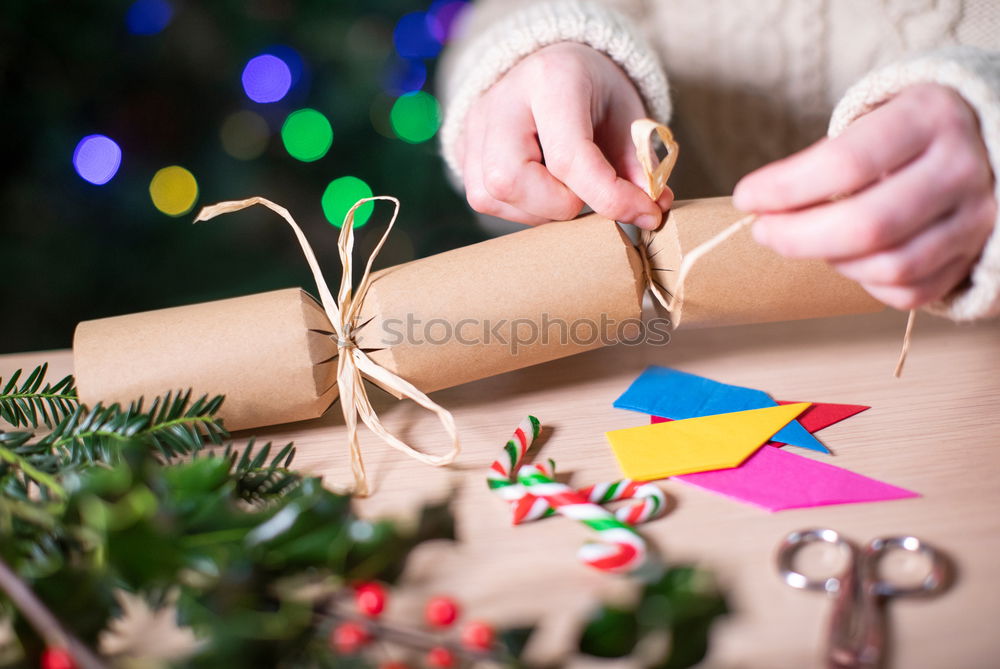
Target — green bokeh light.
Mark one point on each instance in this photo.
(415, 117)
(307, 135)
(341, 194)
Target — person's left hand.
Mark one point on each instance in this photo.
(902, 201)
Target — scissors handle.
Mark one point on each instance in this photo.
(858, 621)
(857, 624)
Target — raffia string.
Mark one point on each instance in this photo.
(656, 181)
(353, 365)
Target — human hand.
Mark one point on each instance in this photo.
(912, 190)
(553, 134)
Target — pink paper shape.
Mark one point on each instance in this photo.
(775, 479)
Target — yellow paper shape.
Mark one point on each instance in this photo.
(721, 441)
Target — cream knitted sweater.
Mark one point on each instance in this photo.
(751, 81)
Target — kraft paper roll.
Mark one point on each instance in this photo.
(267, 353)
(273, 355)
(536, 295)
(739, 281)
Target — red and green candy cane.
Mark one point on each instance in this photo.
(651, 502)
(620, 548)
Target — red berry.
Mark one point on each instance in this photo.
(370, 599)
(394, 664)
(441, 611)
(478, 636)
(349, 638)
(57, 658)
(440, 657)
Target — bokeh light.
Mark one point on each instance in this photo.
(291, 58)
(342, 194)
(307, 135)
(97, 159)
(266, 78)
(415, 117)
(148, 17)
(173, 190)
(406, 76)
(244, 135)
(443, 16)
(413, 38)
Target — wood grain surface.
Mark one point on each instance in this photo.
(935, 431)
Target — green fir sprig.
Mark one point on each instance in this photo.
(31, 402)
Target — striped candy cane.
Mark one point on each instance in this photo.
(621, 549)
(652, 502)
(501, 475)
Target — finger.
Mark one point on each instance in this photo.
(934, 288)
(961, 234)
(621, 151)
(512, 169)
(567, 139)
(877, 143)
(876, 219)
(472, 172)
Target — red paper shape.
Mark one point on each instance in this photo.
(813, 419)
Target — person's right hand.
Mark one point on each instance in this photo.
(554, 134)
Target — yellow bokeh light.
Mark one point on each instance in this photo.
(174, 190)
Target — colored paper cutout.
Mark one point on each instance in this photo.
(661, 391)
(698, 444)
(823, 414)
(813, 419)
(775, 479)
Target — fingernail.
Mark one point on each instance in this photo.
(759, 232)
(648, 222)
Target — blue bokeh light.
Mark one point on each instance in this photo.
(97, 159)
(413, 38)
(266, 78)
(148, 17)
(406, 76)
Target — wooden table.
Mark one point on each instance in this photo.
(936, 431)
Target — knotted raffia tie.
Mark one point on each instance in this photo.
(656, 181)
(353, 365)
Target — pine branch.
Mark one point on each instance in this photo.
(24, 405)
(173, 424)
(179, 427)
(10, 442)
(257, 481)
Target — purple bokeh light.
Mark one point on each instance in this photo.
(291, 58)
(148, 17)
(97, 159)
(266, 78)
(412, 37)
(441, 18)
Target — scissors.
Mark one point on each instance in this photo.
(857, 624)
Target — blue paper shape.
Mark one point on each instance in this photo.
(660, 391)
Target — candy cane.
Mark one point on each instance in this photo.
(652, 502)
(501, 475)
(621, 549)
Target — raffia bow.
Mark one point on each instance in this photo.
(353, 365)
(656, 181)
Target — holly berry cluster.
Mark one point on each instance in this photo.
(351, 637)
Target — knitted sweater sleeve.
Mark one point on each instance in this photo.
(975, 75)
(502, 32)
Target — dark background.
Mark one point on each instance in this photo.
(72, 251)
